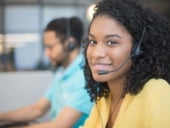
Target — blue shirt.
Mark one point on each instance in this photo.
(67, 89)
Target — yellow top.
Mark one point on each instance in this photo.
(148, 109)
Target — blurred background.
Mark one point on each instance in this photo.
(24, 69)
(22, 23)
(21, 27)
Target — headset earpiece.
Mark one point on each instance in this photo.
(71, 44)
(136, 49)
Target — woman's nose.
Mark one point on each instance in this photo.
(99, 51)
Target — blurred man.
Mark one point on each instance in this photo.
(66, 97)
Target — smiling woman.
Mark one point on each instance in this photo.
(105, 44)
(127, 66)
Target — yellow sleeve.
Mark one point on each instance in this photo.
(157, 112)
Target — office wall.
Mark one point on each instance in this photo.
(18, 89)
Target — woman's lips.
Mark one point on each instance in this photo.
(101, 66)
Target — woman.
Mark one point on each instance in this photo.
(127, 67)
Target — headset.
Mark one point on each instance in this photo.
(71, 45)
(136, 51)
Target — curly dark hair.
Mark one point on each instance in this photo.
(155, 60)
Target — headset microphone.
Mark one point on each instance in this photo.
(136, 51)
(103, 72)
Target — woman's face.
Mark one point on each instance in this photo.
(109, 47)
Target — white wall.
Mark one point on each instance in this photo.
(18, 89)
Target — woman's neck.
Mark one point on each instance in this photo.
(116, 89)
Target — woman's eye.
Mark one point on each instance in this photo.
(111, 43)
(92, 42)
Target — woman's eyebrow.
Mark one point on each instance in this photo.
(91, 35)
(113, 35)
(107, 36)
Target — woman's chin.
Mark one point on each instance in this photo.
(99, 78)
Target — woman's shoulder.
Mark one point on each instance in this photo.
(157, 84)
(156, 99)
(156, 87)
